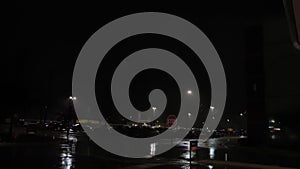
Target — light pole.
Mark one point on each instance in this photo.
(154, 108)
(212, 108)
(189, 93)
(71, 100)
(189, 117)
(154, 112)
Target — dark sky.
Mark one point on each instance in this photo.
(43, 42)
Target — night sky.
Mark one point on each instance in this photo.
(43, 42)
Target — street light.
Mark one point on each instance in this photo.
(72, 98)
(272, 121)
(189, 92)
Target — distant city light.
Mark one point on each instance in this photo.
(189, 114)
(227, 120)
(241, 114)
(273, 137)
(189, 92)
(212, 107)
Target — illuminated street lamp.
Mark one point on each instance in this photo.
(272, 121)
(72, 98)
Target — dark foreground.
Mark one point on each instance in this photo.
(81, 153)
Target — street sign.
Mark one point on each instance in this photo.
(171, 119)
(193, 145)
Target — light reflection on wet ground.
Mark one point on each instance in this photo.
(78, 152)
(68, 151)
(68, 155)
